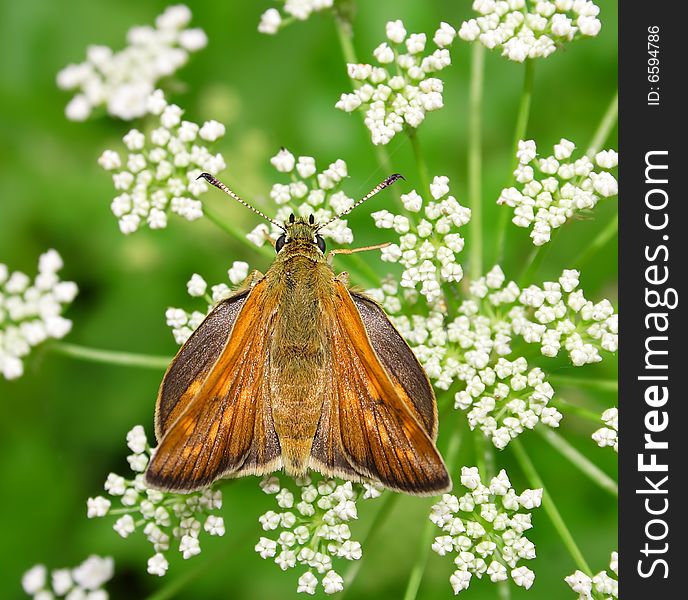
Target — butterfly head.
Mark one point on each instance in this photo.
(300, 231)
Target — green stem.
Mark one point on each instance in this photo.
(550, 507)
(603, 385)
(569, 407)
(519, 133)
(534, 261)
(111, 357)
(605, 127)
(418, 569)
(598, 243)
(579, 460)
(475, 158)
(380, 518)
(236, 232)
(420, 161)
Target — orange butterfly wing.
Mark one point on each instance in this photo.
(222, 423)
(370, 428)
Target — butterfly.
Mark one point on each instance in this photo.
(296, 371)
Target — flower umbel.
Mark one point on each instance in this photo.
(555, 188)
(599, 587)
(314, 530)
(609, 435)
(160, 172)
(85, 581)
(122, 81)
(308, 192)
(485, 528)
(166, 519)
(530, 31)
(31, 311)
(399, 90)
(428, 239)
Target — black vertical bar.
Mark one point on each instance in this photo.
(653, 270)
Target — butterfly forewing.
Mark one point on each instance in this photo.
(226, 427)
(369, 429)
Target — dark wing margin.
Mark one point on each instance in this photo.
(194, 361)
(225, 428)
(368, 431)
(399, 360)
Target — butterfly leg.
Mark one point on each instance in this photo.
(331, 253)
(253, 277)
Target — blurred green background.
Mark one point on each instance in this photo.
(64, 422)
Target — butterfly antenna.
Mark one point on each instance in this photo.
(218, 184)
(378, 188)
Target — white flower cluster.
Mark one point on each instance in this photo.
(165, 517)
(308, 192)
(122, 81)
(554, 188)
(30, 311)
(601, 586)
(314, 528)
(428, 239)
(159, 174)
(399, 92)
(504, 396)
(608, 435)
(84, 582)
(530, 31)
(271, 21)
(485, 529)
(558, 315)
(184, 323)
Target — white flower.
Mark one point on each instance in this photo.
(30, 311)
(162, 517)
(318, 534)
(160, 173)
(428, 246)
(283, 161)
(555, 188)
(474, 539)
(158, 564)
(94, 572)
(271, 20)
(608, 436)
(35, 579)
(602, 583)
(403, 88)
(122, 81)
(521, 34)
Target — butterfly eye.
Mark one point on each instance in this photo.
(320, 243)
(279, 244)
(291, 218)
(311, 219)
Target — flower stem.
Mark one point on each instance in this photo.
(579, 460)
(380, 518)
(569, 407)
(550, 507)
(418, 569)
(604, 128)
(598, 243)
(519, 133)
(420, 161)
(603, 385)
(112, 357)
(475, 158)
